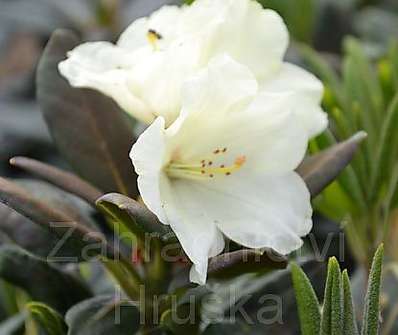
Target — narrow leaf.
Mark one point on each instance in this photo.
(371, 311)
(229, 265)
(42, 281)
(103, 315)
(53, 220)
(48, 319)
(350, 324)
(331, 322)
(90, 130)
(64, 180)
(307, 302)
(386, 154)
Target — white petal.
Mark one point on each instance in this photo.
(164, 21)
(221, 110)
(309, 91)
(253, 36)
(147, 155)
(256, 211)
(158, 77)
(195, 230)
(104, 67)
(213, 91)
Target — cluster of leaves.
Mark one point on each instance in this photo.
(364, 97)
(94, 135)
(338, 315)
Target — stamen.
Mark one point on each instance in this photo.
(153, 37)
(200, 171)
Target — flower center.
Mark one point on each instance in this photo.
(206, 168)
(153, 37)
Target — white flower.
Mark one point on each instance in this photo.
(145, 70)
(226, 166)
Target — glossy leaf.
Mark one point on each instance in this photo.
(48, 319)
(135, 217)
(42, 281)
(229, 265)
(90, 131)
(103, 315)
(307, 302)
(78, 237)
(63, 179)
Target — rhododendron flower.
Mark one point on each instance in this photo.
(145, 70)
(226, 166)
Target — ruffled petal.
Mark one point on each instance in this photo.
(164, 21)
(253, 36)
(104, 67)
(194, 228)
(256, 211)
(222, 111)
(309, 92)
(147, 155)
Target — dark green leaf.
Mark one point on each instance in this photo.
(91, 132)
(320, 170)
(229, 265)
(78, 237)
(350, 324)
(42, 281)
(307, 302)
(64, 180)
(370, 325)
(103, 315)
(135, 217)
(48, 319)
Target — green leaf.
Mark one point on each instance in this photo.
(386, 154)
(135, 217)
(232, 264)
(90, 130)
(42, 281)
(363, 85)
(103, 315)
(48, 319)
(13, 325)
(299, 16)
(85, 242)
(350, 324)
(322, 69)
(332, 314)
(307, 302)
(320, 170)
(370, 325)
